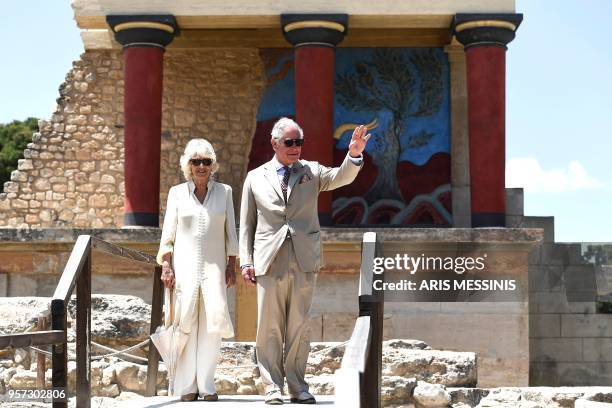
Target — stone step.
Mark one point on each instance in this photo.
(531, 397)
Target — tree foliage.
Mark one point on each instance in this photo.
(14, 138)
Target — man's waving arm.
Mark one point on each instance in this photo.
(332, 178)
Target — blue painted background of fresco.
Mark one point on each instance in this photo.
(423, 169)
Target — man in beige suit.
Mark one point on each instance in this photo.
(280, 252)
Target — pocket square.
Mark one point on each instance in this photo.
(305, 179)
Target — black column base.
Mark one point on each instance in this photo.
(139, 219)
(488, 220)
(325, 219)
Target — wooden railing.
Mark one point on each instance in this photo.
(78, 273)
(358, 380)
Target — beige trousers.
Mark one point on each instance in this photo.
(195, 370)
(284, 296)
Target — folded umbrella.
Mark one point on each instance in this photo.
(170, 340)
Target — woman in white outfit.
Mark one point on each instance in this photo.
(197, 252)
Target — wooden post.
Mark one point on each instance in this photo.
(41, 359)
(60, 353)
(371, 305)
(372, 378)
(83, 335)
(246, 309)
(156, 313)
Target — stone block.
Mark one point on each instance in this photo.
(140, 286)
(23, 380)
(546, 223)
(22, 285)
(597, 349)
(499, 308)
(574, 254)
(545, 278)
(19, 203)
(472, 332)
(31, 218)
(502, 371)
(544, 325)
(580, 285)
(556, 349)
(535, 255)
(554, 254)
(24, 164)
(574, 374)
(338, 326)
(514, 202)
(417, 308)
(595, 325)
(431, 395)
(3, 285)
(98, 201)
(335, 293)
(582, 307)
(548, 302)
(42, 184)
(514, 221)
(316, 328)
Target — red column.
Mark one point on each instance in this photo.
(486, 83)
(144, 38)
(314, 110)
(315, 37)
(485, 37)
(143, 78)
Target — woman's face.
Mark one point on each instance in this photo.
(201, 168)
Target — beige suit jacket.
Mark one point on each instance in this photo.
(265, 219)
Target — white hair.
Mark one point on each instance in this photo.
(278, 130)
(198, 148)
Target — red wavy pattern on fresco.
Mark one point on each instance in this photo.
(413, 180)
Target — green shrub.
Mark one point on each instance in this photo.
(14, 137)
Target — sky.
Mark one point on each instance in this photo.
(558, 100)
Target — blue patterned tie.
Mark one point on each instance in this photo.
(285, 181)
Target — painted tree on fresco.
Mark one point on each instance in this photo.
(406, 87)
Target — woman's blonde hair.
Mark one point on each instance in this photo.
(198, 148)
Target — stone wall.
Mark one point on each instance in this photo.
(72, 173)
(570, 341)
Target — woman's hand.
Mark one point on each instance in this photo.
(230, 272)
(167, 275)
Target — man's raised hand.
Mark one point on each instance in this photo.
(358, 141)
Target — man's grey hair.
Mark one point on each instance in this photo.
(198, 148)
(280, 127)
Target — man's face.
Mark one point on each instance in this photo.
(284, 154)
